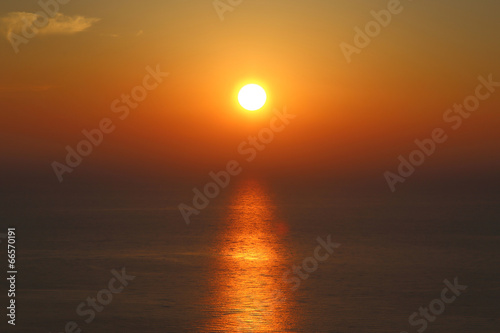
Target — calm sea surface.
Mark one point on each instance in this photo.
(224, 272)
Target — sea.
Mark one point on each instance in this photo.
(262, 256)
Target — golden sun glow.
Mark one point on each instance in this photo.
(252, 97)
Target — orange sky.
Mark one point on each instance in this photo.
(353, 120)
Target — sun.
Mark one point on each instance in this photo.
(252, 97)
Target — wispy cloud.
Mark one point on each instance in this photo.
(16, 22)
(111, 35)
(24, 88)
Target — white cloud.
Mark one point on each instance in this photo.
(20, 22)
(61, 24)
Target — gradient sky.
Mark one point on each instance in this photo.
(353, 120)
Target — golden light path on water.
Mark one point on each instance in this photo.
(251, 261)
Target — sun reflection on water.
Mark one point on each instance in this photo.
(249, 293)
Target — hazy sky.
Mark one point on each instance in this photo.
(352, 118)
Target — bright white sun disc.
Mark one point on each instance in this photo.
(252, 97)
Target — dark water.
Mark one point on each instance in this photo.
(224, 272)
